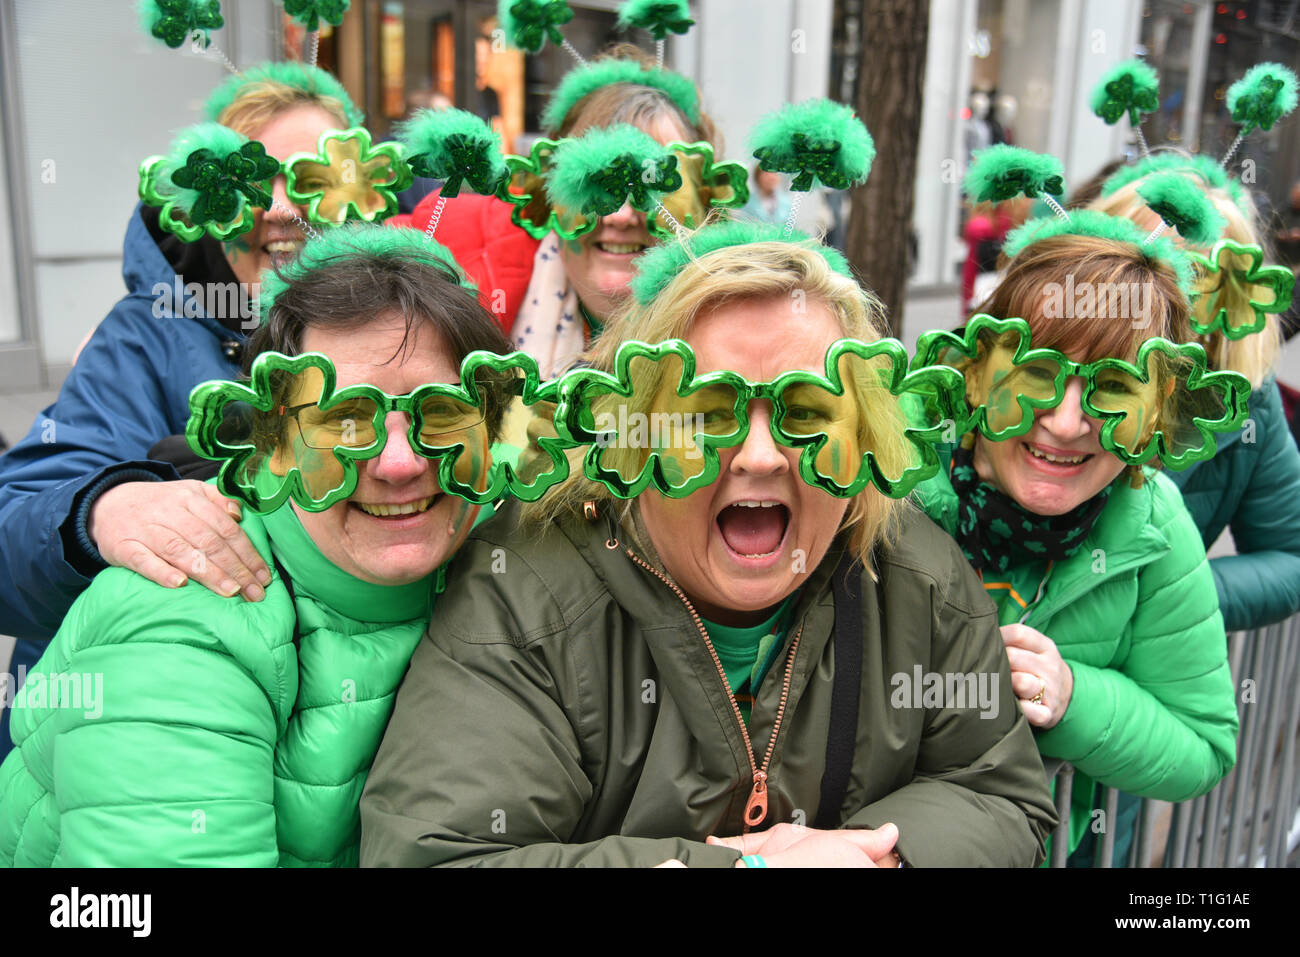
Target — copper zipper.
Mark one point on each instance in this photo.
(756, 806)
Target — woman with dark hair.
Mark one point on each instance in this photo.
(221, 731)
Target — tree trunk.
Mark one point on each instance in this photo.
(890, 82)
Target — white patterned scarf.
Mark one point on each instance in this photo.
(549, 326)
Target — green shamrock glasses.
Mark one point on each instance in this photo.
(1165, 404)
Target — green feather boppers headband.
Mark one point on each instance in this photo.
(1129, 89)
(1205, 167)
(582, 81)
(816, 141)
(660, 265)
(659, 17)
(208, 182)
(357, 239)
(299, 76)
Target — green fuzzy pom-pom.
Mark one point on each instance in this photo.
(311, 12)
(1091, 222)
(1262, 97)
(660, 265)
(298, 76)
(1183, 205)
(1206, 167)
(175, 21)
(597, 173)
(528, 24)
(815, 140)
(218, 140)
(660, 17)
(359, 241)
(1131, 87)
(456, 147)
(585, 80)
(1003, 172)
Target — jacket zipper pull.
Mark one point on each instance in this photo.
(756, 806)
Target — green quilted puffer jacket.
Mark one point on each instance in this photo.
(1135, 615)
(206, 732)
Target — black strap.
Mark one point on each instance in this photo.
(842, 737)
(293, 598)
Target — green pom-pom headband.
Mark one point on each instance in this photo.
(299, 76)
(1139, 424)
(1183, 205)
(1003, 172)
(1090, 222)
(1206, 167)
(660, 265)
(528, 24)
(208, 182)
(585, 80)
(355, 240)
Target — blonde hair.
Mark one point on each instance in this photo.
(1252, 356)
(745, 273)
(258, 103)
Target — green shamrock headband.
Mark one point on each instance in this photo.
(1165, 405)
(289, 433)
(528, 24)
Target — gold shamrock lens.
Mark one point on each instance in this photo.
(1004, 388)
(347, 177)
(631, 429)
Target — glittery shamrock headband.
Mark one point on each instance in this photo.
(528, 24)
(1165, 405)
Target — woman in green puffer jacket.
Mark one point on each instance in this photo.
(177, 727)
(1106, 602)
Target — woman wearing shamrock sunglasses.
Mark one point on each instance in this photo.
(226, 732)
(662, 668)
(1107, 605)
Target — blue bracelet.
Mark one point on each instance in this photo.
(753, 860)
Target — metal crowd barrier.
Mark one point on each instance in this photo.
(1252, 817)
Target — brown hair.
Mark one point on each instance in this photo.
(1055, 266)
(641, 106)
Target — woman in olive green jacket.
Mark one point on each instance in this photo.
(634, 683)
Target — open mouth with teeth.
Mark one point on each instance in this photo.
(754, 529)
(1056, 459)
(395, 512)
(281, 252)
(621, 249)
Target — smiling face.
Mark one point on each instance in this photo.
(599, 263)
(397, 526)
(275, 239)
(740, 546)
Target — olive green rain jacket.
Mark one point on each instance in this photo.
(565, 709)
